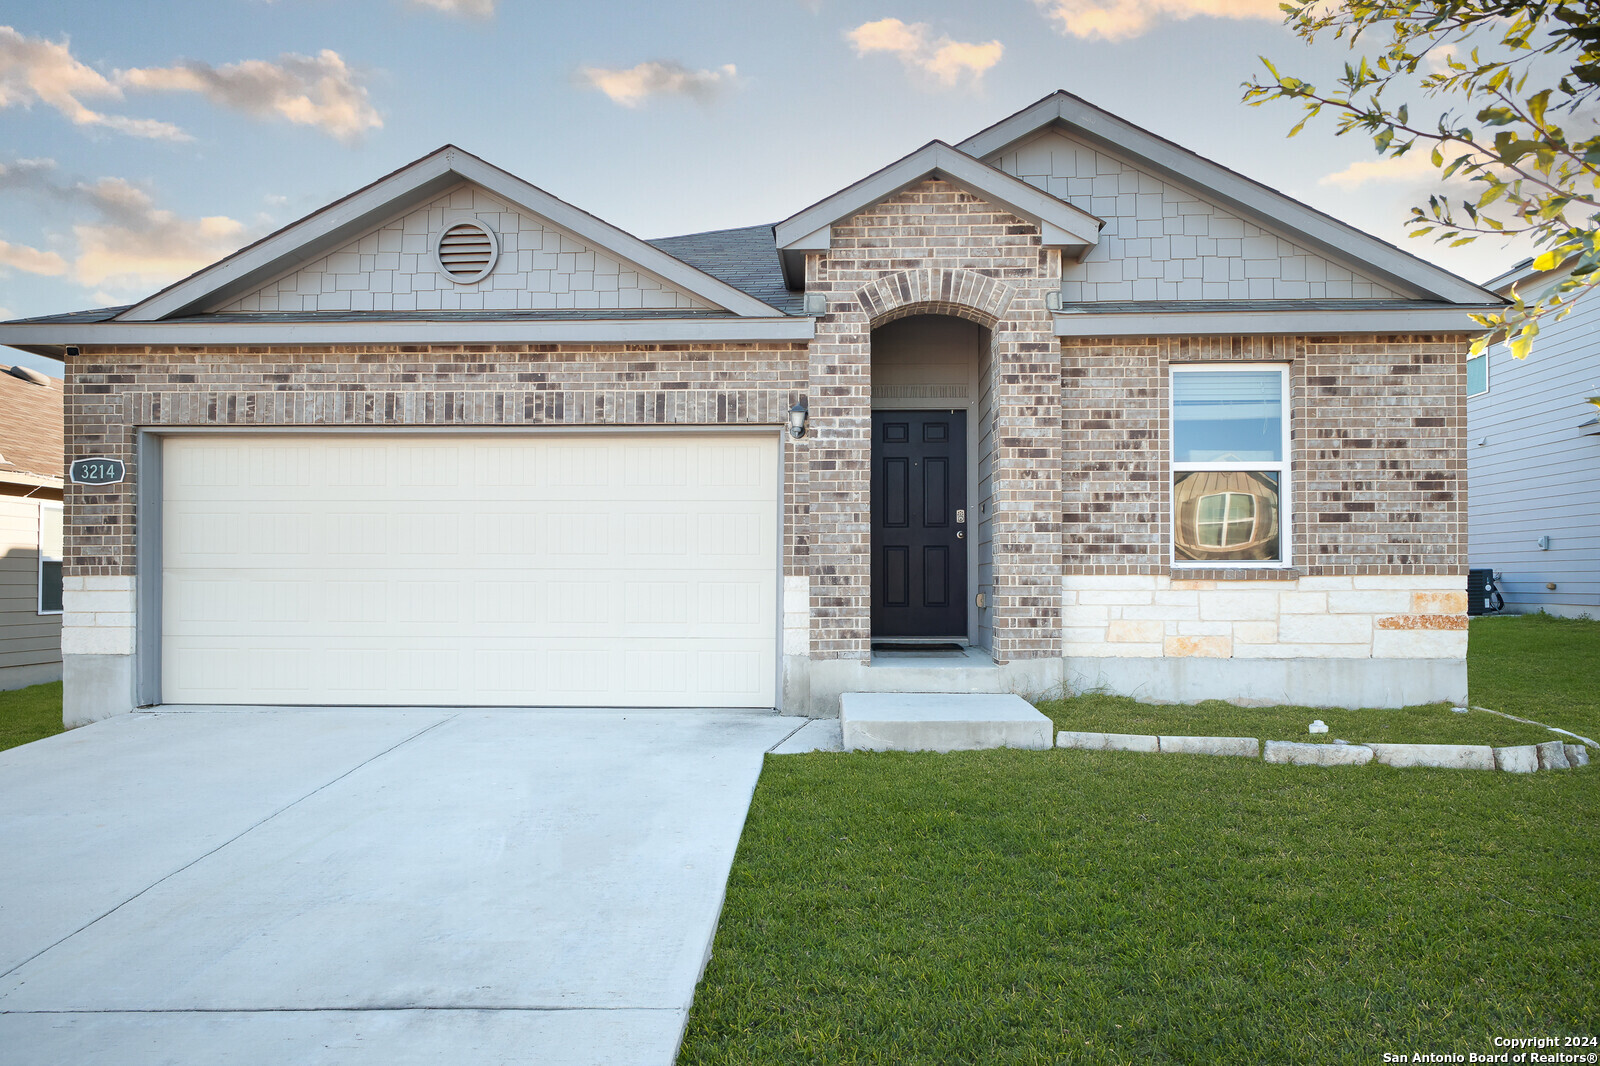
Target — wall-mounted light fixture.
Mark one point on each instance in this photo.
(798, 417)
(1544, 544)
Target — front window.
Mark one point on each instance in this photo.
(49, 558)
(1230, 442)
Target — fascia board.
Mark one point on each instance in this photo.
(50, 339)
(1233, 190)
(1218, 323)
(941, 159)
(300, 243)
(36, 481)
(316, 235)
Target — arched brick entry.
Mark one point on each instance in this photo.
(1002, 286)
(955, 292)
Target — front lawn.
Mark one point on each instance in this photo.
(29, 714)
(1089, 907)
(1106, 907)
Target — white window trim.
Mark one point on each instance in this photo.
(39, 565)
(1485, 357)
(1282, 468)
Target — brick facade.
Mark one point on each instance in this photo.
(112, 392)
(1080, 479)
(1377, 430)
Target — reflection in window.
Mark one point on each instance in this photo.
(1226, 515)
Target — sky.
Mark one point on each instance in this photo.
(142, 141)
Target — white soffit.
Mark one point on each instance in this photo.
(1061, 225)
(1231, 189)
(1180, 323)
(324, 231)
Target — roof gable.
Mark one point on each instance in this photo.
(1164, 241)
(336, 227)
(392, 268)
(1308, 229)
(1061, 225)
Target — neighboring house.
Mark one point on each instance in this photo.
(1533, 459)
(1091, 408)
(30, 528)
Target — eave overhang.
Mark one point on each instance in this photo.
(52, 339)
(1172, 320)
(1061, 225)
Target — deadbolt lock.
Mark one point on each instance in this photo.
(961, 516)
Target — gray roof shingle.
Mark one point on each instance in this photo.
(746, 258)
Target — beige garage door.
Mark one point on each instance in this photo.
(584, 570)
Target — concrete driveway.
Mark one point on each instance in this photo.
(367, 886)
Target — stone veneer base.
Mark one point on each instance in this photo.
(1352, 683)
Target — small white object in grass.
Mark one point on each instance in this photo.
(1459, 710)
(1319, 726)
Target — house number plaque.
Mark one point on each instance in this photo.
(97, 471)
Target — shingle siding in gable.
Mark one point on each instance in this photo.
(393, 269)
(1162, 242)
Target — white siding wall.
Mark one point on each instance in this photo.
(1162, 242)
(393, 269)
(1537, 473)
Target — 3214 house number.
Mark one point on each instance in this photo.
(97, 471)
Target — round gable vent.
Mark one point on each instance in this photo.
(467, 250)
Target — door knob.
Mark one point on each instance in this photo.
(961, 534)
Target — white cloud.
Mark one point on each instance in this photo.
(126, 242)
(634, 86)
(1415, 166)
(945, 59)
(478, 9)
(34, 70)
(31, 260)
(1116, 20)
(318, 90)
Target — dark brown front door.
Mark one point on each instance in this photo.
(919, 548)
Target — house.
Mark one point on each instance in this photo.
(1063, 404)
(1533, 459)
(30, 528)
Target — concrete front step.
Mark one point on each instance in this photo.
(940, 721)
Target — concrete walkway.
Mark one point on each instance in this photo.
(367, 886)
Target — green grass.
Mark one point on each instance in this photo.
(1538, 666)
(1078, 907)
(1433, 723)
(1102, 907)
(29, 714)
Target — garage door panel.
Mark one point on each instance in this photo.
(611, 571)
